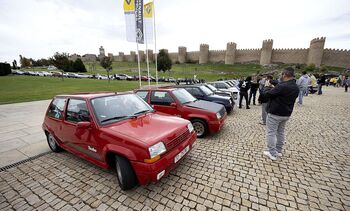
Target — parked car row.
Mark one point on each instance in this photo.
(143, 134)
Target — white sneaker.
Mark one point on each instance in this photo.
(279, 154)
(268, 154)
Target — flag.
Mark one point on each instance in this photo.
(130, 23)
(148, 21)
(139, 21)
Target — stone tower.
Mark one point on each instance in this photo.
(132, 57)
(182, 54)
(150, 56)
(102, 52)
(316, 51)
(121, 57)
(230, 53)
(142, 56)
(203, 54)
(266, 52)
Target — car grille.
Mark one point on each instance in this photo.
(176, 141)
(222, 112)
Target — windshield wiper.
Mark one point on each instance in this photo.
(140, 112)
(118, 117)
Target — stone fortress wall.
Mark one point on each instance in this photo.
(315, 54)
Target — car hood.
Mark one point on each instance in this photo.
(205, 105)
(216, 97)
(149, 128)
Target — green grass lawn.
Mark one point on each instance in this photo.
(14, 89)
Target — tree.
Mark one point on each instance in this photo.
(25, 62)
(163, 61)
(61, 62)
(106, 63)
(79, 66)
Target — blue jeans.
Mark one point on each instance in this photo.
(275, 126)
(302, 92)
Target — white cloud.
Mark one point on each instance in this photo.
(38, 28)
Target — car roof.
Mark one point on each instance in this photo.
(158, 89)
(90, 95)
(190, 85)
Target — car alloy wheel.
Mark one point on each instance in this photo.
(200, 127)
(125, 173)
(53, 143)
(119, 174)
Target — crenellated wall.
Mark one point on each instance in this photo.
(293, 56)
(315, 54)
(337, 58)
(217, 56)
(247, 55)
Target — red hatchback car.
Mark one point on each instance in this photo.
(118, 131)
(206, 117)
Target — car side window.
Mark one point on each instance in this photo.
(77, 111)
(195, 91)
(143, 95)
(161, 98)
(221, 86)
(56, 108)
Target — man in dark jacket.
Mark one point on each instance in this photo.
(244, 86)
(280, 107)
(253, 89)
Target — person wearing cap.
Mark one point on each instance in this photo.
(281, 100)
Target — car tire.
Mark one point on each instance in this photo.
(125, 173)
(200, 127)
(51, 141)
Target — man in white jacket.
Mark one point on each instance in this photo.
(303, 84)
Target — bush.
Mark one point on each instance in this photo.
(5, 69)
(310, 68)
(163, 61)
(79, 66)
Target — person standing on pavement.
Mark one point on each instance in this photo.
(313, 82)
(253, 89)
(303, 84)
(321, 81)
(280, 107)
(261, 84)
(263, 100)
(244, 86)
(347, 83)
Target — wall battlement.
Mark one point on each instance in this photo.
(315, 54)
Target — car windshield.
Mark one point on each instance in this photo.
(183, 96)
(211, 87)
(118, 107)
(206, 90)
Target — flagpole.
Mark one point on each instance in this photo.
(138, 61)
(155, 40)
(147, 61)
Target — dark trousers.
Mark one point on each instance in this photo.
(245, 95)
(319, 89)
(346, 88)
(252, 93)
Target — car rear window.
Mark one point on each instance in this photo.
(56, 108)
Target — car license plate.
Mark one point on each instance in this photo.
(181, 154)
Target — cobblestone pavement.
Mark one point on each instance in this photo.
(226, 171)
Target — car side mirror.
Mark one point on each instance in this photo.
(83, 125)
(173, 104)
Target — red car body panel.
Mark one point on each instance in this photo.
(129, 138)
(187, 112)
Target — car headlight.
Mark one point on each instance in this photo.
(157, 149)
(218, 115)
(190, 127)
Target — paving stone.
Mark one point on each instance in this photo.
(225, 171)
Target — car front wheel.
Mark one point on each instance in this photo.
(53, 143)
(125, 173)
(200, 127)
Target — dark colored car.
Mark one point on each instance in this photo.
(201, 92)
(118, 131)
(206, 117)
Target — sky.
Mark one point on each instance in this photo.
(39, 28)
